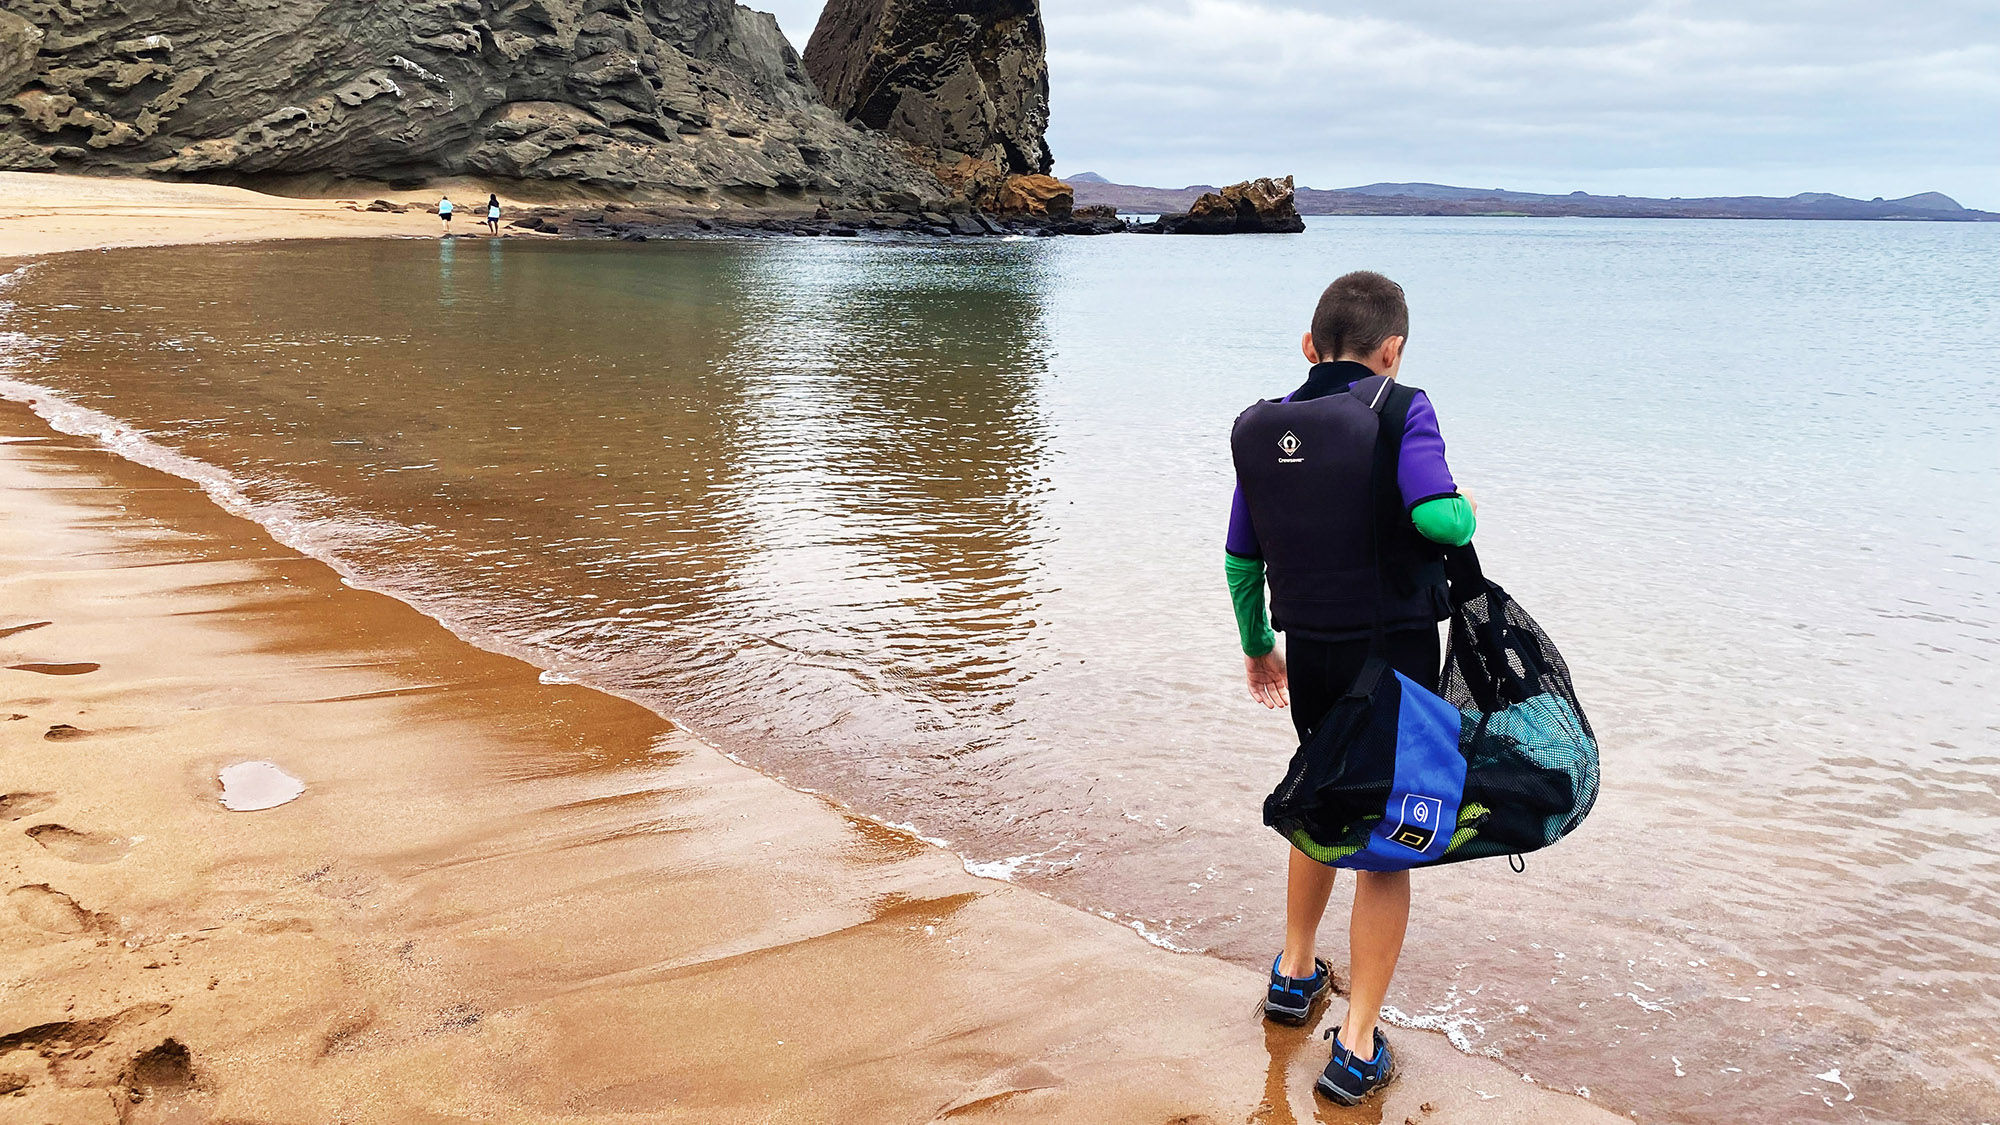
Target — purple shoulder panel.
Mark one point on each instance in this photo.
(1242, 540)
(1423, 474)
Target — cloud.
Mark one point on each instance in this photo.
(1656, 97)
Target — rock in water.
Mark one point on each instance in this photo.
(698, 99)
(1040, 197)
(1252, 207)
(959, 79)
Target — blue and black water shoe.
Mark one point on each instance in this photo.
(1349, 1080)
(1291, 998)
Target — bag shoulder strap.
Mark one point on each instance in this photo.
(1392, 408)
(1391, 403)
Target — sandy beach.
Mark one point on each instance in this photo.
(46, 213)
(500, 898)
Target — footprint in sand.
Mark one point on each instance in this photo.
(56, 669)
(13, 629)
(150, 1088)
(14, 806)
(162, 1087)
(63, 732)
(79, 847)
(163, 1071)
(48, 909)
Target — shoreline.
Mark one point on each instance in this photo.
(51, 213)
(399, 931)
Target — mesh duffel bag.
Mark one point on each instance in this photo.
(1397, 776)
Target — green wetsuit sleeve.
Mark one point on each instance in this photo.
(1448, 520)
(1246, 590)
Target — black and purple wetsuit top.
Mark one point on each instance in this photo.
(1421, 476)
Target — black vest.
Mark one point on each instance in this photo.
(1319, 479)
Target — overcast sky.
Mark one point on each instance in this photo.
(1641, 97)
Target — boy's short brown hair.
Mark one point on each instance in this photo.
(1358, 312)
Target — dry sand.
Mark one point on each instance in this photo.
(500, 899)
(45, 213)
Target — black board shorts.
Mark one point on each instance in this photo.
(1320, 672)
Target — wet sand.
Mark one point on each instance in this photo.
(499, 898)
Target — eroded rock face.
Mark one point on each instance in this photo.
(702, 98)
(1042, 197)
(955, 78)
(1264, 206)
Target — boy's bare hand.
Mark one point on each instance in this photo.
(1268, 684)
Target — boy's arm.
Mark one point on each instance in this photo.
(1449, 520)
(1246, 590)
(1440, 513)
(1243, 563)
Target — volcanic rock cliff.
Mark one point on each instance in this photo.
(695, 99)
(965, 83)
(960, 77)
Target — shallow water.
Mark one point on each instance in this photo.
(257, 786)
(936, 529)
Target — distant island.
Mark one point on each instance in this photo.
(1438, 199)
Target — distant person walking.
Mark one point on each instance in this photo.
(1348, 577)
(444, 213)
(493, 213)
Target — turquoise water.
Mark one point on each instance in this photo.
(936, 529)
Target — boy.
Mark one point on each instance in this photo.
(1305, 514)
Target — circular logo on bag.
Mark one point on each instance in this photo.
(1417, 829)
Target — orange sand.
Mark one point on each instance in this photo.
(46, 213)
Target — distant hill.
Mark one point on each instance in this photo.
(1442, 199)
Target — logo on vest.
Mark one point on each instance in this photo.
(1290, 445)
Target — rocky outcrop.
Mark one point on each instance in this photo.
(1252, 207)
(20, 43)
(957, 79)
(1041, 197)
(701, 100)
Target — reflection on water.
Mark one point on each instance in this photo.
(937, 530)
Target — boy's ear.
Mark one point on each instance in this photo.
(1311, 350)
(1391, 355)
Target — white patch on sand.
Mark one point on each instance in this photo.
(255, 786)
(911, 830)
(1001, 869)
(1833, 1076)
(1442, 1018)
(1154, 938)
(1648, 1005)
